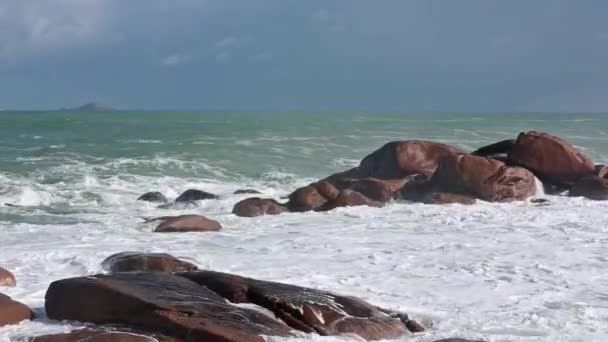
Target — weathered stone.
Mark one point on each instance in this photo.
(145, 262)
(187, 223)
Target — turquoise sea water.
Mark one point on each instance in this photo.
(254, 145)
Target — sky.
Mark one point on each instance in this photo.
(380, 55)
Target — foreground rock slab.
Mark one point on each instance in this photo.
(12, 312)
(98, 335)
(158, 302)
(187, 223)
(145, 262)
(7, 278)
(307, 309)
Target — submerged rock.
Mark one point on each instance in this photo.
(187, 223)
(246, 191)
(158, 302)
(256, 206)
(146, 262)
(591, 187)
(553, 160)
(154, 196)
(306, 309)
(7, 278)
(193, 195)
(12, 312)
(448, 198)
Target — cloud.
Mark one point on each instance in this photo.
(321, 16)
(175, 59)
(227, 43)
(222, 57)
(31, 25)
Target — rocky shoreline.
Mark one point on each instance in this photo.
(157, 297)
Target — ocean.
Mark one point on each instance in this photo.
(495, 271)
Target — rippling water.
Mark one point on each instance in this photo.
(501, 272)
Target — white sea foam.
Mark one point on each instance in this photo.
(502, 272)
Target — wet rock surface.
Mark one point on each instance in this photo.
(145, 262)
(305, 309)
(158, 302)
(13, 312)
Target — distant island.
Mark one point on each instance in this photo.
(89, 107)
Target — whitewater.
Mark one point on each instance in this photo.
(519, 271)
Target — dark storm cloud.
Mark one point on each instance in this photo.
(481, 55)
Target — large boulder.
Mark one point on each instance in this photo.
(487, 179)
(306, 309)
(12, 312)
(105, 335)
(192, 195)
(187, 223)
(158, 302)
(553, 160)
(591, 187)
(349, 198)
(153, 196)
(145, 262)
(399, 159)
(256, 206)
(7, 278)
